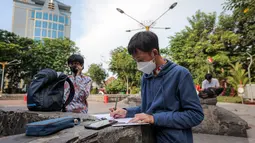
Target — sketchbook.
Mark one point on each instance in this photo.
(121, 121)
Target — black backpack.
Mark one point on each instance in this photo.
(46, 91)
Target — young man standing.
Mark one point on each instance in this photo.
(169, 99)
(81, 83)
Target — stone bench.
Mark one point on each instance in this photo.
(14, 123)
(217, 121)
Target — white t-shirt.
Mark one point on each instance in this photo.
(214, 83)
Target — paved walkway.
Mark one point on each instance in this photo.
(246, 112)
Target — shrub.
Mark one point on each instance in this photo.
(115, 87)
(238, 75)
(135, 90)
(94, 91)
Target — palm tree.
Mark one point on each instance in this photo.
(238, 75)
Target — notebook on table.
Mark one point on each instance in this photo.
(121, 121)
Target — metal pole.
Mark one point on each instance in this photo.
(2, 82)
(3, 65)
(208, 67)
(249, 75)
(242, 98)
(249, 68)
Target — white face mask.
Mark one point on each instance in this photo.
(146, 67)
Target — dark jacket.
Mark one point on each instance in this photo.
(171, 98)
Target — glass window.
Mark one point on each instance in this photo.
(55, 18)
(67, 21)
(60, 34)
(50, 25)
(38, 23)
(50, 17)
(45, 24)
(33, 14)
(44, 33)
(39, 15)
(49, 33)
(55, 26)
(37, 32)
(45, 16)
(37, 38)
(61, 27)
(54, 34)
(61, 19)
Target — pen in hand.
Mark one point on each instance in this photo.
(116, 101)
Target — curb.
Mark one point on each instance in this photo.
(12, 96)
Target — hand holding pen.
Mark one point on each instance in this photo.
(117, 112)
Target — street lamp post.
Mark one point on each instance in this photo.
(249, 74)
(3, 70)
(148, 27)
(2, 81)
(249, 67)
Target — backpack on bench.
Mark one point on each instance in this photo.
(46, 91)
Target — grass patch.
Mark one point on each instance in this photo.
(229, 99)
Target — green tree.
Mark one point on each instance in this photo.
(13, 51)
(244, 24)
(222, 45)
(125, 67)
(115, 87)
(12, 46)
(189, 47)
(165, 52)
(205, 38)
(49, 53)
(97, 73)
(32, 56)
(52, 53)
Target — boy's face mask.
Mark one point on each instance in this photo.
(147, 67)
(74, 69)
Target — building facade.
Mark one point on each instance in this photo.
(38, 19)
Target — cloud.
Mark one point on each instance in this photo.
(103, 27)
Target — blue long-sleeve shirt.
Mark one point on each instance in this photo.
(171, 98)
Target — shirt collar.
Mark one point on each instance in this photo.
(158, 69)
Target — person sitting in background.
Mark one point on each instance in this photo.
(210, 87)
(210, 82)
(81, 84)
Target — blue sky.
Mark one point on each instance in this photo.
(97, 28)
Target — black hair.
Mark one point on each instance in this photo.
(145, 41)
(75, 58)
(208, 76)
